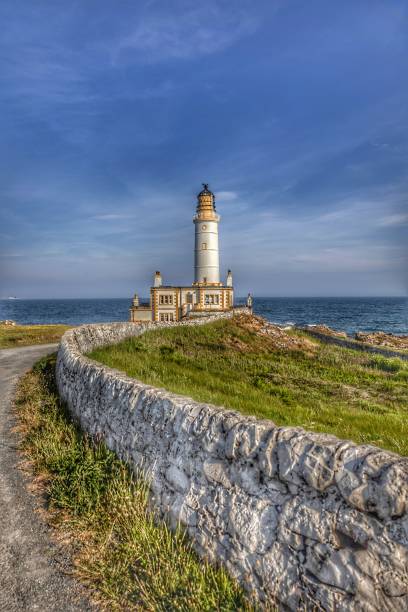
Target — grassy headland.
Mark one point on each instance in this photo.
(12, 336)
(129, 560)
(278, 375)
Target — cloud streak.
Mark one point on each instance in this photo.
(198, 30)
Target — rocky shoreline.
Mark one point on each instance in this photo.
(379, 338)
(383, 339)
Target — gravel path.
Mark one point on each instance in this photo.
(32, 573)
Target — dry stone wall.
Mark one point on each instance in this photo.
(306, 520)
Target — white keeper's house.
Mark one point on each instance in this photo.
(208, 294)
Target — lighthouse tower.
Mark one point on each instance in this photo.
(206, 253)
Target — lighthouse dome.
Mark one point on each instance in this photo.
(205, 191)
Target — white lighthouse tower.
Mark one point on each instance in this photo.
(206, 253)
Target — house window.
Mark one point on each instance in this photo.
(166, 316)
(166, 299)
(189, 298)
(210, 299)
(204, 246)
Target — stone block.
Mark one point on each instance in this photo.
(253, 523)
(177, 479)
(217, 472)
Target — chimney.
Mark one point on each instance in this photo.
(158, 281)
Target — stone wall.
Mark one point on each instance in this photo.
(304, 519)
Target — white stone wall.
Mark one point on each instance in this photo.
(305, 519)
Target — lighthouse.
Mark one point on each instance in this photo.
(207, 295)
(206, 252)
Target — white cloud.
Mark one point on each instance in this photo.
(396, 219)
(360, 213)
(201, 30)
(355, 258)
(112, 217)
(226, 196)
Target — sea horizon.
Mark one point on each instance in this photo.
(343, 313)
(263, 297)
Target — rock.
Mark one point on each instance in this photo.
(327, 331)
(282, 575)
(383, 339)
(177, 479)
(336, 568)
(393, 583)
(308, 519)
(253, 522)
(217, 471)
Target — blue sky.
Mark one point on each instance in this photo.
(112, 114)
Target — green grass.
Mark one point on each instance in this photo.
(12, 336)
(130, 560)
(323, 388)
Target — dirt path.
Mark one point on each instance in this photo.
(31, 567)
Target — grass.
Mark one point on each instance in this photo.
(25, 335)
(129, 559)
(323, 388)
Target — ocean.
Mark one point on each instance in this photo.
(347, 314)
